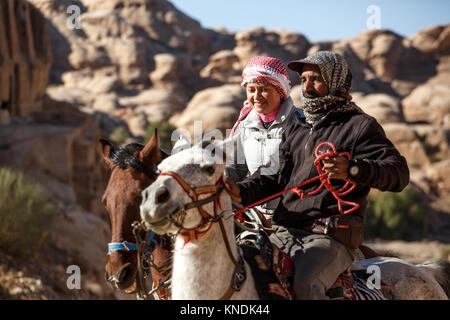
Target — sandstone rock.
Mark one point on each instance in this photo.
(161, 21)
(87, 174)
(102, 81)
(157, 104)
(261, 42)
(294, 43)
(406, 141)
(85, 237)
(362, 76)
(37, 150)
(380, 49)
(221, 39)
(215, 108)
(102, 25)
(385, 108)
(419, 178)
(25, 57)
(73, 96)
(435, 140)
(428, 102)
(223, 66)
(138, 124)
(106, 103)
(136, 121)
(433, 39)
(174, 71)
(439, 175)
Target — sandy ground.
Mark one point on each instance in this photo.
(414, 252)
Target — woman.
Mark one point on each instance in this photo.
(266, 112)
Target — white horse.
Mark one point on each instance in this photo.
(189, 199)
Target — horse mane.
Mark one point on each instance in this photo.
(124, 156)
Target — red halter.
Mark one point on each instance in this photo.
(194, 193)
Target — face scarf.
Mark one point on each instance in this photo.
(338, 77)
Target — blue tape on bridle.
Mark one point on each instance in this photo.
(128, 246)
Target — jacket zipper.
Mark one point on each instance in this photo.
(309, 137)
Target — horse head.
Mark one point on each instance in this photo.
(188, 199)
(132, 170)
(187, 181)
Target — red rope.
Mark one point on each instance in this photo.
(325, 182)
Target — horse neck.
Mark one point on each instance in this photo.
(203, 268)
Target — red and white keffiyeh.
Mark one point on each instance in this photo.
(265, 70)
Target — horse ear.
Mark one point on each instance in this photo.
(107, 147)
(151, 151)
(182, 143)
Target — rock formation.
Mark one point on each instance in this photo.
(68, 79)
(25, 59)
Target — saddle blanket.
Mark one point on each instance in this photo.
(274, 278)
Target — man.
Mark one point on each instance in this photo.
(322, 250)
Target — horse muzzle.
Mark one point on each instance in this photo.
(156, 209)
(124, 279)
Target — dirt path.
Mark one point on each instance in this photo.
(414, 252)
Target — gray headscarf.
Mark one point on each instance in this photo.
(338, 78)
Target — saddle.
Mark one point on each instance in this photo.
(273, 270)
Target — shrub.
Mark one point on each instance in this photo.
(25, 214)
(119, 135)
(165, 130)
(395, 215)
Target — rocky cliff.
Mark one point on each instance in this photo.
(66, 80)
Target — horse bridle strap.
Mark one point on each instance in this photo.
(194, 193)
(128, 246)
(239, 273)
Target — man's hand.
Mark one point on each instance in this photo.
(336, 167)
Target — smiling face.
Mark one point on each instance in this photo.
(263, 97)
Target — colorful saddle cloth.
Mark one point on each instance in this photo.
(273, 272)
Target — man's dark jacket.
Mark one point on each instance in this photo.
(381, 167)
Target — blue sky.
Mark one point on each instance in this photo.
(318, 20)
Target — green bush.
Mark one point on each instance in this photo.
(165, 130)
(119, 135)
(25, 214)
(395, 215)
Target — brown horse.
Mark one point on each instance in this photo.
(132, 170)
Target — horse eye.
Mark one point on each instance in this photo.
(209, 169)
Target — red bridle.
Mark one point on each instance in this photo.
(239, 273)
(194, 193)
